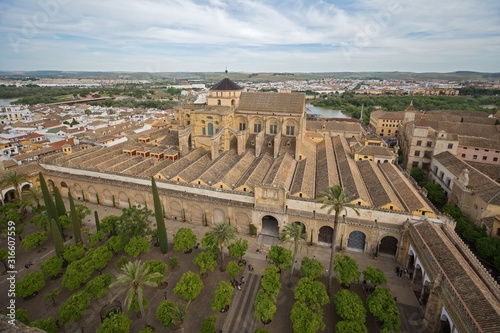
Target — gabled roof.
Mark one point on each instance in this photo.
(410, 107)
(58, 144)
(226, 84)
(484, 186)
(272, 102)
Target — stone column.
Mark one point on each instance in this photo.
(433, 312)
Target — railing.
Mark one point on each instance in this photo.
(429, 257)
(484, 274)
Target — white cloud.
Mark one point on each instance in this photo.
(253, 35)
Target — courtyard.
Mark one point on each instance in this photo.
(240, 316)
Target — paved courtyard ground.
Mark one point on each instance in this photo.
(240, 316)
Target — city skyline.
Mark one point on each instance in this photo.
(250, 36)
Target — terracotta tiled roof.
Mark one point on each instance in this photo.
(293, 103)
(380, 191)
(38, 152)
(51, 123)
(179, 165)
(490, 170)
(484, 186)
(474, 296)
(239, 169)
(255, 174)
(373, 151)
(471, 141)
(220, 168)
(333, 125)
(305, 175)
(226, 84)
(380, 114)
(153, 170)
(58, 145)
(346, 175)
(401, 186)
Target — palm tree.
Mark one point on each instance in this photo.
(13, 178)
(336, 199)
(222, 234)
(134, 277)
(31, 197)
(293, 232)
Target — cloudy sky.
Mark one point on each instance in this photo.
(250, 35)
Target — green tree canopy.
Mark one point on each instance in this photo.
(116, 243)
(170, 314)
(98, 286)
(208, 324)
(305, 320)
(110, 224)
(488, 248)
(205, 260)
(233, 269)
(137, 245)
(134, 222)
(374, 275)
(270, 282)
(184, 240)
(349, 306)
(221, 235)
(381, 304)
(77, 273)
(34, 240)
(346, 326)
(73, 252)
(74, 308)
(435, 194)
(311, 268)
(52, 266)
(294, 233)
(418, 174)
(347, 269)
(30, 284)
(48, 325)
(222, 296)
(238, 248)
(280, 256)
(157, 266)
(118, 323)
(335, 199)
(132, 280)
(22, 316)
(312, 293)
(99, 257)
(264, 306)
(189, 286)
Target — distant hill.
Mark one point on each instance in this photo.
(257, 77)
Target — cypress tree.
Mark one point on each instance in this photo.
(49, 203)
(60, 208)
(160, 221)
(97, 199)
(57, 237)
(96, 218)
(75, 220)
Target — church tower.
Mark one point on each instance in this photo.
(409, 113)
(224, 93)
